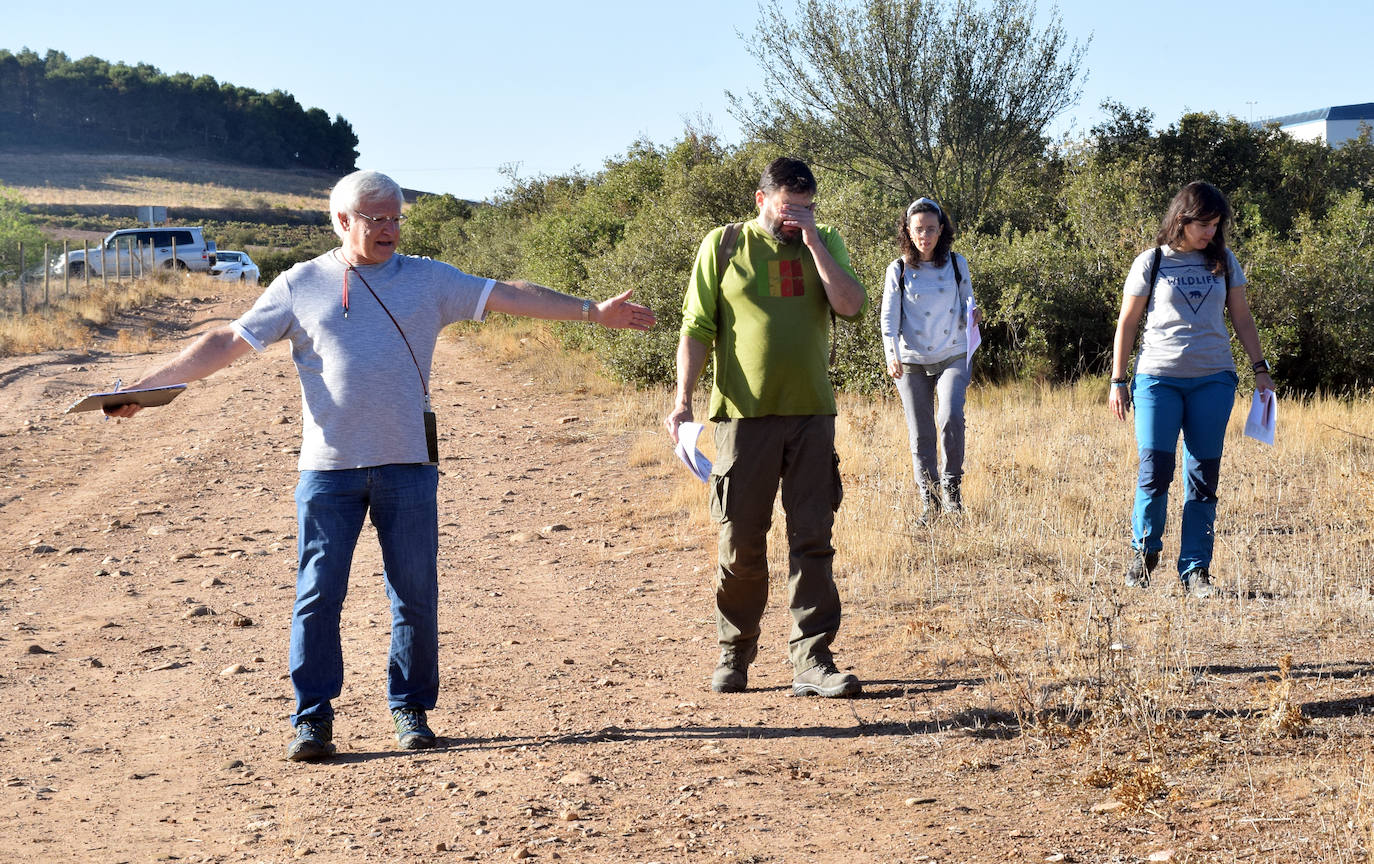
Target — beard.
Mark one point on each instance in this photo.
(781, 234)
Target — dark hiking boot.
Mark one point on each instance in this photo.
(1197, 583)
(412, 728)
(731, 676)
(825, 680)
(1139, 570)
(314, 740)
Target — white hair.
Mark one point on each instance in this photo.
(361, 186)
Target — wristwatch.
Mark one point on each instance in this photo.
(1120, 382)
(1260, 366)
(586, 310)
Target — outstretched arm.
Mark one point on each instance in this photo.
(204, 357)
(535, 301)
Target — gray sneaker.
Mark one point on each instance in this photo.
(731, 676)
(314, 740)
(1197, 583)
(1139, 570)
(953, 496)
(825, 680)
(930, 506)
(412, 728)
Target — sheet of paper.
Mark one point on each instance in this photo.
(975, 338)
(1264, 417)
(687, 435)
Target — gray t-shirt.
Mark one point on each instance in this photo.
(1185, 323)
(363, 403)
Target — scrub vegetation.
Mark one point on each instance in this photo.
(1049, 229)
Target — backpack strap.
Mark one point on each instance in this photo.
(725, 250)
(1154, 275)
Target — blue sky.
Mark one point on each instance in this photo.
(442, 94)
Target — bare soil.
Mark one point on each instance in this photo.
(145, 593)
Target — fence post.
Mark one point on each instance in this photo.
(46, 270)
(104, 268)
(66, 271)
(86, 265)
(23, 298)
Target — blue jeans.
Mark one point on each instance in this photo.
(1199, 408)
(330, 506)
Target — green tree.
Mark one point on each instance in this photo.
(434, 223)
(924, 97)
(1312, 297)
(16, 226)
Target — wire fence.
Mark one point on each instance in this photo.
(39, 278)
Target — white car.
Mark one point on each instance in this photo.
(235, 267)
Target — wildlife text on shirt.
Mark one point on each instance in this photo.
(1185, 322)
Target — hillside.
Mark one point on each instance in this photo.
(45, 178)
(60, 185)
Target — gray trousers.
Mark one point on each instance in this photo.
(752, 456)
(920, 386)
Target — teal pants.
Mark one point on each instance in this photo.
(1199, 408)
(753, 457)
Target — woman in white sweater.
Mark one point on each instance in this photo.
(925, 326)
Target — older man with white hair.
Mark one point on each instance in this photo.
(363, 322)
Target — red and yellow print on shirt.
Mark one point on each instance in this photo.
(785, 279)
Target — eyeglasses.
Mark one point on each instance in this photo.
(922, 230)
(382, 220)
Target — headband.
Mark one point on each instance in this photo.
(919, 201)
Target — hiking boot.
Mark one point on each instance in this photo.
(412, 731)
(1139, 570)
(314, 740)
(930, 506)
(954, 497)
(731, 676)
(1197, 583)
(825, 680)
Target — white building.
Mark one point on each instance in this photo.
(1334, 125)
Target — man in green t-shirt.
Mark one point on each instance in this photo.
(767, 318)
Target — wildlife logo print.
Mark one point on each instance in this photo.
(1193, 288)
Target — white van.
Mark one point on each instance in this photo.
(153, 248)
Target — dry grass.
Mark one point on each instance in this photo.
(70, 321)
(128, 179)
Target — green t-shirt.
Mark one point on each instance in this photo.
(768, 320)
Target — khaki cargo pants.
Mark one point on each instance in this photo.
(752, 456)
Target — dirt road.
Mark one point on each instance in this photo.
(145, 594)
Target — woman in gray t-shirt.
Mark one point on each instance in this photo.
(1185, 380)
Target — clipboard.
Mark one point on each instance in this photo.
(147, 398)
